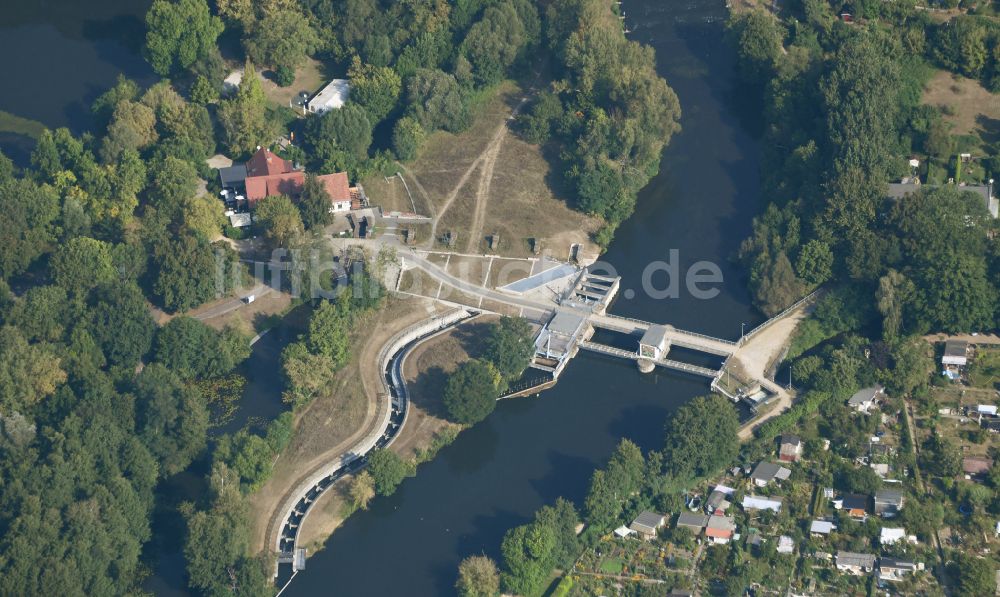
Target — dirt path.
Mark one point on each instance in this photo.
(758, 354)
(483, 192)
(455, 191)
(487, 158)
(420, 189)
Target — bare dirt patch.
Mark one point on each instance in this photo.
(969, 107)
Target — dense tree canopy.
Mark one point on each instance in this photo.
(243, 118)
(471, 392)
(701, 437)
(388, 470)
(510, 346)
(27, 221)
(171, 417)
(179, 34)
(191, 349)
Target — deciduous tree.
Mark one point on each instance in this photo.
(471, 392)
(179, 34)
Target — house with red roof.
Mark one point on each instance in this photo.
(268, 174)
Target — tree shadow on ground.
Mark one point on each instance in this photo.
(989, 129)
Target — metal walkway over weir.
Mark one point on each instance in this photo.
(667, 363)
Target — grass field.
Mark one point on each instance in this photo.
(310, 78)
(486, 181)
(985, 369)
(968, 107)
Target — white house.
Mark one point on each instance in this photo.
(758, 502)
(855, 563)
(331, 97)
(863, 400)
(821, 527)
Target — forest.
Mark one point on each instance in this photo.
(110, 230)
(841, 117)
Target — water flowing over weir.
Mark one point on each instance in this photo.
(531, 451)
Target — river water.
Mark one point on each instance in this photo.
(532, 450)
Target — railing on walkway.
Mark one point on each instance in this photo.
(722, 351)
(675, 331)
(705, 371)
(611, 350)
(807, 298)
(526, 385)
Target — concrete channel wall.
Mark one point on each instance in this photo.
(301, 499)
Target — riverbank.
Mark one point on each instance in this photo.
(337, 420)
(424, 368)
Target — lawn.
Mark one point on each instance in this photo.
(971, 110)
(985, 369)
(613, 566)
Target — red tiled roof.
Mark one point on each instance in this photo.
(265, 163)
(720, 533)
(289, 184)
(337, 186)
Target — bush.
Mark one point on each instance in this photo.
(407, 137)
(388, 470)
(284, 76)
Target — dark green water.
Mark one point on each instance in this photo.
(533, 450)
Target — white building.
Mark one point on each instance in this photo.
(756, 502)
(331, 97)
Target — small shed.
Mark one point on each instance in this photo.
(821, 527)
(692, 521)
(976, 465)
(765, 472)
(956, 353)
(888, 502)
(720, 529)
(654, 343)
(790, 448)
(240, 220)
(864, 399)
(647, 523)
(855, 563)
(855, 504)
(785, 544)
(756, 502)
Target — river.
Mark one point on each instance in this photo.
(532, 450)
